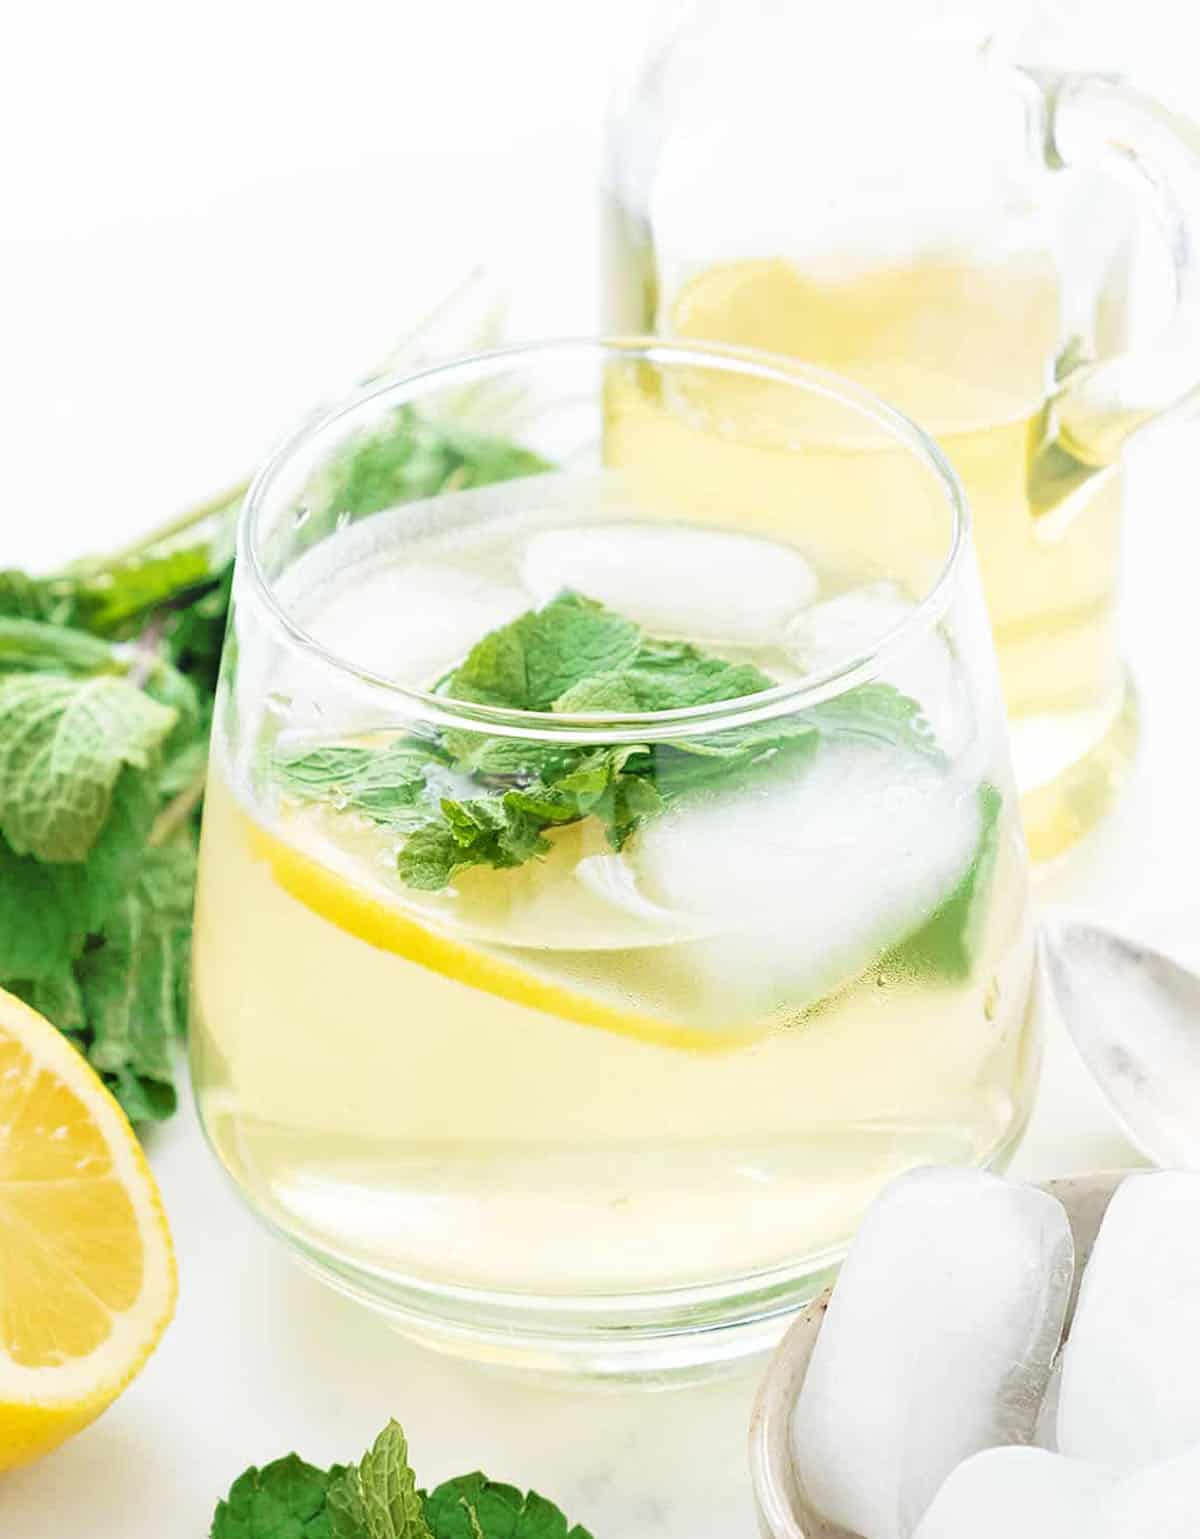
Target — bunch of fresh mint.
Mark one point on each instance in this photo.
(378, 1498)
(107, 676)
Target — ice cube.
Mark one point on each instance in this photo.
(937, 1344)
(847, 626)
(813, 872)
(702, 585)
(1131, 1366)
(410, 621)
(1160, 1502)
(1019, 1493)
(850, 625)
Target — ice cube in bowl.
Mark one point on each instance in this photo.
(785, 1509)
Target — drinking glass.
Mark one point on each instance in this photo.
(611, 870)
(881, 190)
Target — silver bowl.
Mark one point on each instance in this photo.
(784, 1511)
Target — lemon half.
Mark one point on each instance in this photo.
(87, 1271)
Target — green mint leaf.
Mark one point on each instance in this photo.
(411, 457)
(384, 784)
(474, 1507)
(346, 1508)
(57, 997)
(44, 916)
(537, 658)
(127, 589)
(877, 711)
(63, 747)
(283, 1500)
(507, 758)
(52, 600)
(113, 861)
(484, 831)
(665, 676)
(37, 647)
(947, 944)
(391, 1504)
(193, 634)
(131, 975)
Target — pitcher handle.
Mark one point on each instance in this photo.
(1100, 122)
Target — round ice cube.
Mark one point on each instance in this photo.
(704, 585)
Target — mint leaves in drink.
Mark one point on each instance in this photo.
(378, 1498)
(574, 656)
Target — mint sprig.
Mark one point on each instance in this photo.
(573, 656)
(378, 1498)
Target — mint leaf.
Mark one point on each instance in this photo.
(412, 457)
(64, 744)
(378, 1499)
(346, 1508)
(947, 943)
(51, 600)
(474, 1507)
(57, 997)
(283, 1500)
(665, 676)
(383, 784)
(48, 909)
(485, 831)
(43, 916)
(391, 1505)
(131, 977)
(881, 712)
(34, 646)
(531, 662)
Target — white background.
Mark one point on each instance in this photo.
(211, 215)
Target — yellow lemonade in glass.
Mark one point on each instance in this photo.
(599, 904)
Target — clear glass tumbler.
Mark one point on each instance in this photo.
(611, 870)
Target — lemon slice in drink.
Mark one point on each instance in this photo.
(384, 924)
(87, 1273)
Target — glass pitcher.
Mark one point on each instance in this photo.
(886, 192)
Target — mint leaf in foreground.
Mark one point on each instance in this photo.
(378, 1497)
(64, 743)
(283, 1500)
(474, 1507)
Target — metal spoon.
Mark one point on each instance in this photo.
(1134, 1015)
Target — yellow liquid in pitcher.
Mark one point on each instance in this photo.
(966, 352)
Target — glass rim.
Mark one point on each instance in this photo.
(618, 727)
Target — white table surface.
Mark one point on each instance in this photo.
(157, 333)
